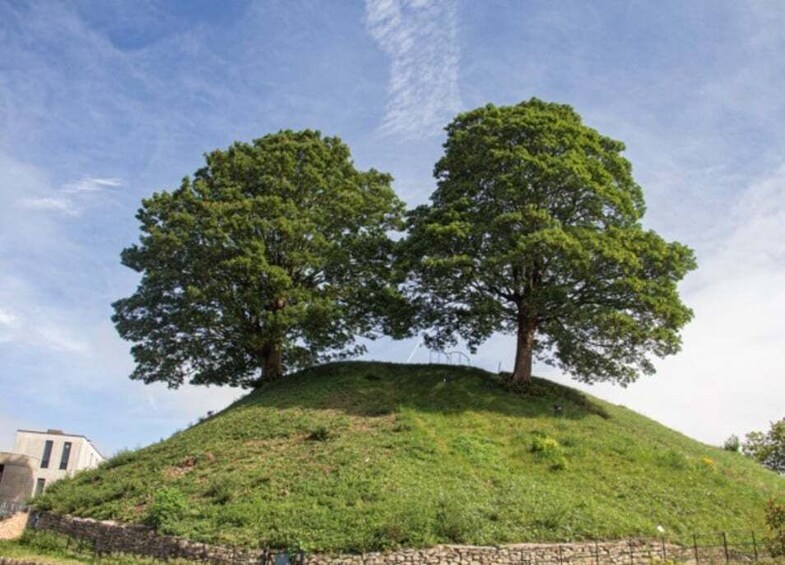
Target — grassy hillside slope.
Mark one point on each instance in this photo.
(360, 456)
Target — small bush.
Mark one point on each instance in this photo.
(550, 450)
(220, 491)
(453, 522)
(320, 433)
(401, 427)
(119, 459)
(43, 540)
(380, 408)
(169, 506)
(708, 463)
(732, 444)
(235, 516)
(674, 460)
(559, 463)
(775, 520)
(545, 445)
(403, 526)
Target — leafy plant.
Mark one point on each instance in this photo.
(775, 520)
(169, 506)
(221, 490)
(320, 433)
(122, 457)
(732, 444)
(550, 450)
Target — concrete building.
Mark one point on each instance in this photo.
(41, 458)
(17, 477)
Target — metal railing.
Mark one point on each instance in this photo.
(9, 507)
(448, 358)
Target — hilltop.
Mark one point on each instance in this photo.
(360, 456)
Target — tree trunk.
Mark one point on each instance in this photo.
(272, 350)
(272, 361)
(527, 327)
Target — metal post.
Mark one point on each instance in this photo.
(695, 545)
(632, 557)
(560, 560)
(664, 550)
(725, 545)
(754, 546)
(596, 553)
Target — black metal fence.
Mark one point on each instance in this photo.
(8, 508)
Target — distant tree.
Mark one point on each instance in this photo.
(767, 448)
(275, 254)
(534, 229)
(732, 444)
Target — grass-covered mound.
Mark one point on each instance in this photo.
(360, 456)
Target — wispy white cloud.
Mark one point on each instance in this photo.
(420, 37)
(90, 184)
(67, 200)
(25, 321)
(7, 318)
(53, 203)
(8, 324)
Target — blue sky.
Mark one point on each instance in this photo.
(103, 103)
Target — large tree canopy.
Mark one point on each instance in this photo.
(534, 229)
(273, 255)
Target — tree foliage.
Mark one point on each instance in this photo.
(767, 448)
(535, 229)
(274, 254)
(775, 520)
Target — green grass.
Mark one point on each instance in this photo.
(49, 548)
(361, 456)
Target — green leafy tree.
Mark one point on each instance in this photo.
(535, 229)
(767, 448)
(275, 254)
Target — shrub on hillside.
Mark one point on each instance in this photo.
(320, 433)
(732, 444)
(221, 491)
(454, 521)
(169, 506)
(775, 520)
(119, 459)
(550, 450)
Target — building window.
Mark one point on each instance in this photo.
(66, 455)
(2, 468)
(47, 454)
(39, 486)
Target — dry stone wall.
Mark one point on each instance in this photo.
(111, 537)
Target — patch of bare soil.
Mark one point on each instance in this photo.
(13, 526)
